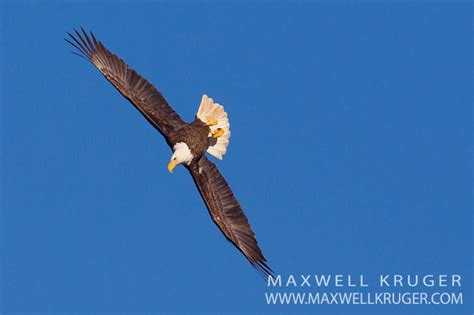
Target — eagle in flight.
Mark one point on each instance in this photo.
(210, 131)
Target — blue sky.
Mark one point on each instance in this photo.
(351, 152)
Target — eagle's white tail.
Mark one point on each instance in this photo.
(210, 112)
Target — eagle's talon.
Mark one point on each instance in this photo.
(212, 122)
(218, 133)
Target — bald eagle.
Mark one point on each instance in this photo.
(210, 131)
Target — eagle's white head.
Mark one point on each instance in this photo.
(181, 154)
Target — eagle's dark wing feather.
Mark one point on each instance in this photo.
(128, 82)
(227, 213)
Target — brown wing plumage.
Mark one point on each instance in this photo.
(227, 213)
(128, 82)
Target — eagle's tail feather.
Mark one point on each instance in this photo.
(210, 112)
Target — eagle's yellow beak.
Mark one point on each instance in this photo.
(171, 166)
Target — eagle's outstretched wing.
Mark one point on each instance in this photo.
(128, 82)
(226, 212)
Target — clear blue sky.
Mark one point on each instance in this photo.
(351, 152)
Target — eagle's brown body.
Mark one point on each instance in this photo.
(195, 135)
